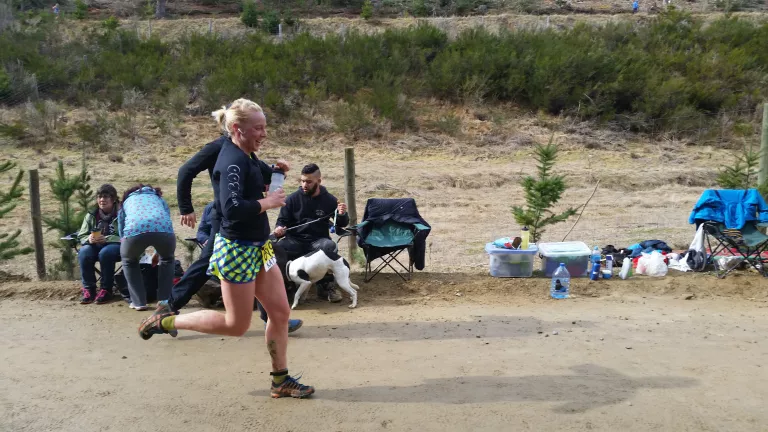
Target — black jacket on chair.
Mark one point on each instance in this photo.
(402, 210)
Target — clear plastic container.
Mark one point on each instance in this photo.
(511, 262)
(575, 256)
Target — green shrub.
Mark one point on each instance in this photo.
(111, 23)
(5, 84)
(366, 12)
(270, 23)
(15, 131)
(250, 16)
(449, 125)
(354, 119)
(289, 19)
(81, 10)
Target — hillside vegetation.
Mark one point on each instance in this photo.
(672, 68)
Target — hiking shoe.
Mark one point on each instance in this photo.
(164, 307)
(327, 292)
(152, 325)
(333, 295)
(103, 297)
(291, 387)
(88, 296)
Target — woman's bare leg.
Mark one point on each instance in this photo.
(270, 291)
(238, 305)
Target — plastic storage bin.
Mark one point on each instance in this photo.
(511, 262)
(575, 255)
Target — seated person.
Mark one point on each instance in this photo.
(310, 202)
(204, 229)
(101, 244)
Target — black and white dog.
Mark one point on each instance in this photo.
(313, 266)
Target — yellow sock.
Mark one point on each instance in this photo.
(279, 376)
(169, 323)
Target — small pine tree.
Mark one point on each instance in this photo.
(85, 198)
(68, 220)
(743, 174)
(541, 193)
(367, 11)
(250, 15)
(9, 243)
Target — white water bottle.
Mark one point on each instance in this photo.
(626, 267)
(278, 179)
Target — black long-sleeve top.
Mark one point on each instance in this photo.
(238, 185)
(203, 160)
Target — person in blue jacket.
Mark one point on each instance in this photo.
(243, 258)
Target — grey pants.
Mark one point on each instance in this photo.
(131, 250)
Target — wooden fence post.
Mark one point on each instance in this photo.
(349, 185)
(762, 177)
(37, 222)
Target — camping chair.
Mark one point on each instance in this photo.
(747, 244)
(75, 244)
(389, 227)
(730, 220)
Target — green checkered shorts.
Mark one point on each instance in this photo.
(235, 261)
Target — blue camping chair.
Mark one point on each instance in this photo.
(731, 221)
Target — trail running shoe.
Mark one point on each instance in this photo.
(164, 307)
(103, 297)
(152, 325)
(294, 324)
(88, 296)
(291, 387)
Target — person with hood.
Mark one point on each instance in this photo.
(100, 243)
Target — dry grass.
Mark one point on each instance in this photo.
(464, 185)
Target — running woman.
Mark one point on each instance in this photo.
(243, 258)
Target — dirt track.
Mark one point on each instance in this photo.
(418, 361)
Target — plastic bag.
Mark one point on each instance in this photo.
(655, 266)
(642, 264)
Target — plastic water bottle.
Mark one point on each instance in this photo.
(278, 179)
(595, 273)
(596, 255)
(526, 238)
(608, 271)
(561, 283)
